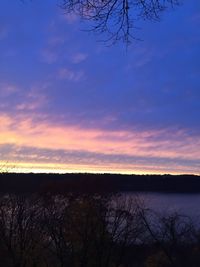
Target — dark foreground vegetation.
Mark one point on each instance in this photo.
(90, 183)
(81, 220)
(93, 230)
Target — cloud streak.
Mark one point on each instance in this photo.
(96, 148)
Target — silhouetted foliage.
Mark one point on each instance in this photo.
(93, 230)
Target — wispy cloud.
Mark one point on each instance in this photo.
(56, 40)
(16, 99)
(38, 159)
(7, 89)
(79, 57)
(102, 147)
(71, 75)
(32, 102)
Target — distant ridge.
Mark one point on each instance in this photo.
(101, 183)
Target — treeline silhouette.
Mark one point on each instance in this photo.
(88, 183)
(93, 230)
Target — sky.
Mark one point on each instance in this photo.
(70, 103)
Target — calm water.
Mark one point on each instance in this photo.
(188, 204)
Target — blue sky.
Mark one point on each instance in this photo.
(70, 103)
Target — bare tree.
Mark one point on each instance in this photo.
(93, 231)
(171, 234)
(56, 223)
(116, 18)
(20, 233)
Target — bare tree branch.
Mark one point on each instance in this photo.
(115, 19)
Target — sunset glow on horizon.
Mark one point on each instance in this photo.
(70, 104)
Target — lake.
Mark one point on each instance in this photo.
(188, 204)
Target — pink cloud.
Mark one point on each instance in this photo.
(23, 131)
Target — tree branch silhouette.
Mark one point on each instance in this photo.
(115, 19)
